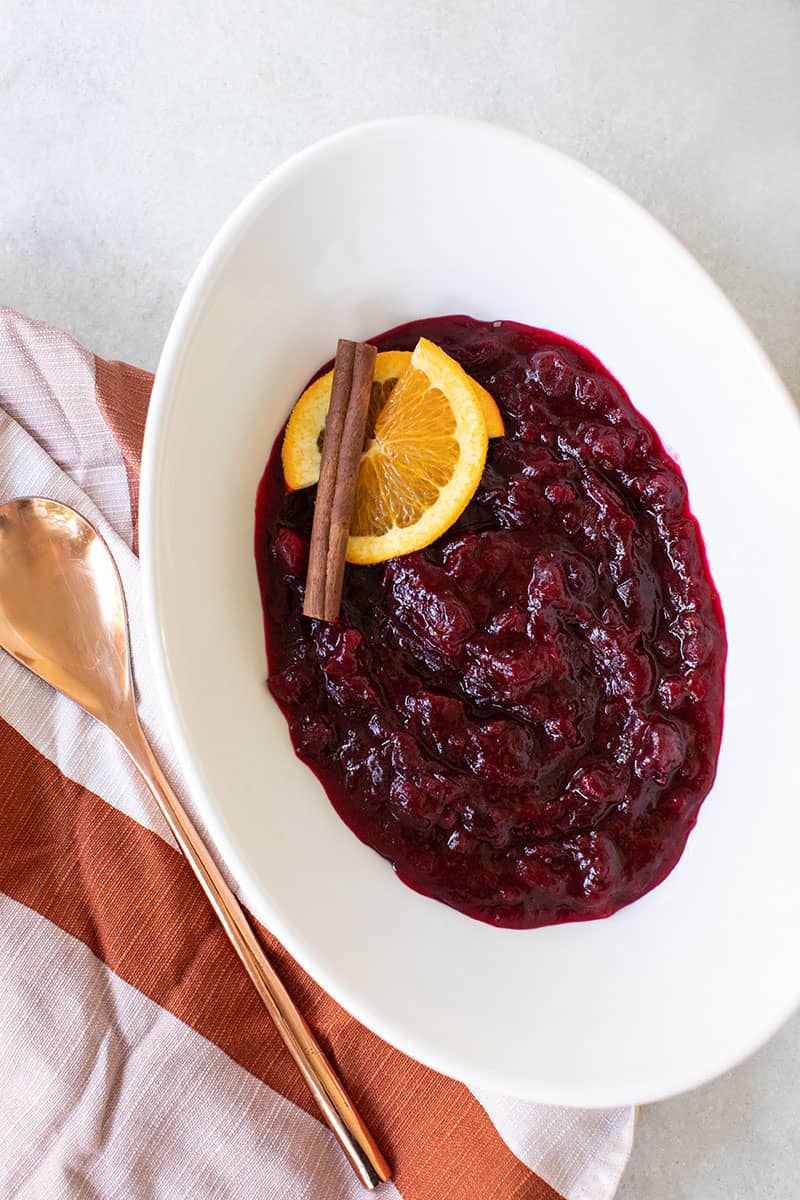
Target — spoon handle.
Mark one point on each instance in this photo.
(328, 1090)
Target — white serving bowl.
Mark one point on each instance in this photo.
(426, 216)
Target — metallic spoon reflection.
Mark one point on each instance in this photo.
(63, 616)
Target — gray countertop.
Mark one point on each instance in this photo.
(128, 131)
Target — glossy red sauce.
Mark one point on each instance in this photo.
(525, 717)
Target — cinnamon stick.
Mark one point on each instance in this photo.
(341, 454)
(314, 602)
(355, 425)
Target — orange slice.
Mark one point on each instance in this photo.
(420, 468)
(302, 443)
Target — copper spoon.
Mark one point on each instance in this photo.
(63, 616)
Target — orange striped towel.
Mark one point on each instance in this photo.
(135, 1060)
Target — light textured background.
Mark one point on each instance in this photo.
(129, 130)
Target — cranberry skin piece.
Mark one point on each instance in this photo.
(508, 621)
(697, 642)
(668, 648)
(340, 651)
(597, 864)
(552, 372)
(373, 771)
(342, 661)
(314, 736)
(626, 671)
(507, 673)
(513, 384)
(410, 801)
(423, 797)
(537, 462)
(461, 842)
(548, 584)
(674, 691)
(661, 750)
(292, 685)
(592, 393)
(380, 726)
(683, 549)
(560, 494)
(593, 791)
(291, 549)
(499, 752)
(663, 492)
(424, 601)
(520, 505)
(538, 875)
(475, 350)
(562, 731)
(580, 575)
(477, 558)
(607, 447)
(441, 720)
(699, 684)
(405, 754)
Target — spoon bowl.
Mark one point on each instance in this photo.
(62, 608)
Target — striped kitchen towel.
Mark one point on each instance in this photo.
(135, 1059)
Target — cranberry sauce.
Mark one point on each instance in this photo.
(524, 718)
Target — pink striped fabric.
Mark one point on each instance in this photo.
(134, 1060)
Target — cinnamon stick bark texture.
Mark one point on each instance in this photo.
(345, 427)
(355, 424)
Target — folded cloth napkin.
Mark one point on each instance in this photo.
(135, 1059)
